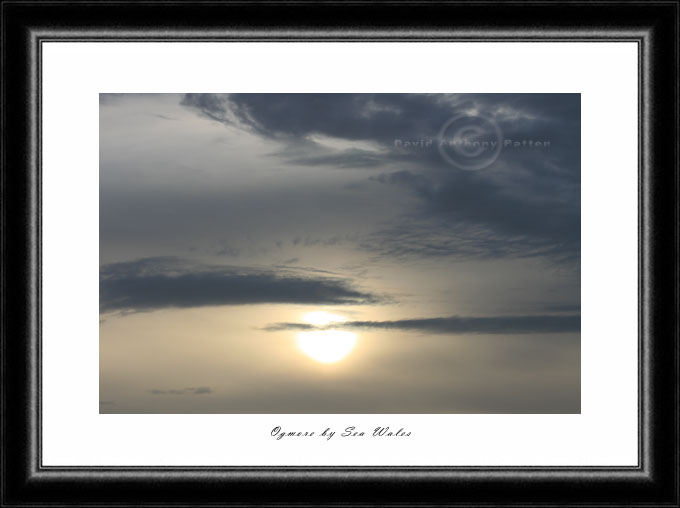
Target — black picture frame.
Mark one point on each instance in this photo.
(653, 25)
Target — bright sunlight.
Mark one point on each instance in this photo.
(325, 346)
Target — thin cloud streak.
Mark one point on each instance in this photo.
(201, 390)
(458, 325)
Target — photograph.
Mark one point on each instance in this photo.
(354, 253)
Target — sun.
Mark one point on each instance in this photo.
(326, 346)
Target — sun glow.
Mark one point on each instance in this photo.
(322, 318)
(326, 346)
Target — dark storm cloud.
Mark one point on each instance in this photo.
(459, 325)
(527, 203)
(474, 217)
(381, 117)
(378, 117)
(384, 118)
(155, 283)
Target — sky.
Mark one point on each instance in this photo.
(339, 253)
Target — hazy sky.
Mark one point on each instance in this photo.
(340, 253)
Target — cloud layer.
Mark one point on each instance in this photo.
(525, 204)
(155, 283)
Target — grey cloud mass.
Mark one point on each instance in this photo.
(526, 204)
(156, 283)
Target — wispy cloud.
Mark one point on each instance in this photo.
(201, 390)
(459, 325)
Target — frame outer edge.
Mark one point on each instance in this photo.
(34, 476)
